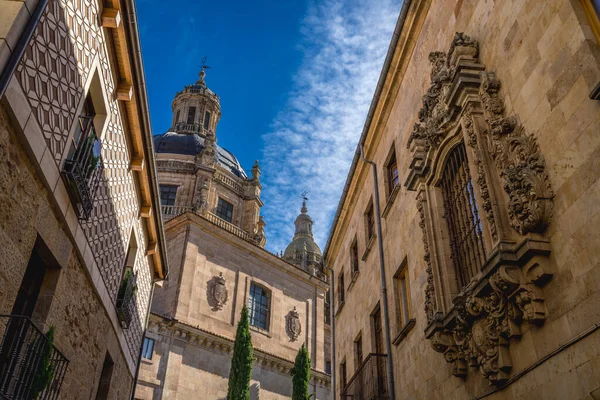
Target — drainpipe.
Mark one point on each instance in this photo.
(19, 49)
(332, 322)
(386, 318)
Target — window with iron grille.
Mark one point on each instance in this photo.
(148, 348)
(370, 221)
(462, 215)
(258, 306)
(358, 350)
(207, 120)
(225, 210)
(354, 256)
(191, 115)
(168, 193)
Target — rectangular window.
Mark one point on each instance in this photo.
(191, 115)
(85, 127)
(168, 193)
(378, 332)
(105, 378)
(343, 374)
(354, 257)
(177, 116)
(370, 221)
(358, 351)
(258, 306)
(148, 348)
(402, 296)
(392, 173)
(341, 294)
(462, 216)
(207, 120)
(225, 210)
(328, 367)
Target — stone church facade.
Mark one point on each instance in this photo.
(485, 133)
(80, 222)
(215, 241)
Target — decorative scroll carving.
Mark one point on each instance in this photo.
(488, 313)
(293, 327)
(520, 161)
(217, 292)
(485, 324)
(429, 289)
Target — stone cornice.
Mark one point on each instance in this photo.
(196, 336)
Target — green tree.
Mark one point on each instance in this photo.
(301, 375)
(241, 363)
(45, 370)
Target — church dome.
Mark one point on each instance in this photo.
(303, 241)
(191, 145)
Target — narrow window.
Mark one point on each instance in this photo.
(343, 374)
(378, 332)
(370, 221)
(168, 193)
(258, 305)
(207, 120)
(391, 170)
(341, 293)
(358, 351)
(225, 210)
(402, 296)
(191, 115)
(177, 116)
(148, 348)
(328, 367)
(462, 216)
(354, 257)
(327, 308)
(105, 378)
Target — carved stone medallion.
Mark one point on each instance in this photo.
(217, 292)
(292, 325)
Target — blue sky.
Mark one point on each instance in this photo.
(295, 79)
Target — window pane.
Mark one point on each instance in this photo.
(207, 120)
(168, 193)
(225, 210)
(258, 304)
(191, 115)
(148, 348)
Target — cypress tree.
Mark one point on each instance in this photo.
(241, 363)
(301, 375)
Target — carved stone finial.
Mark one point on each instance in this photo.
(255, 170)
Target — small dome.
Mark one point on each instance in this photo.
(191, 145)
(303, 241)
(297, 245)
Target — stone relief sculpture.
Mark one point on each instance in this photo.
(293, 326)
(217, 292)
(475, 328)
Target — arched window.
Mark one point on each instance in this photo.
(259, 304)
(462, 215)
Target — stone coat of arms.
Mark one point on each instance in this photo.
(217, 292)
(293, 326)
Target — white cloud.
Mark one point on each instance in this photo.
(313, 138)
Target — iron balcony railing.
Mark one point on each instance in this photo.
(125, 299)
(83, 168)
(30, 366)
(370, 380)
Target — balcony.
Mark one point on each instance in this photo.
(125, 299)
(370, 380)
(30, 366)
(83, 168)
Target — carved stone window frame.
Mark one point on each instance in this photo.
(473, 325)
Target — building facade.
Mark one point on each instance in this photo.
(80, 222)
(215, 239)
(484, 133)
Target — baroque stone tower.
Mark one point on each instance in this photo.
(215, 240)
(302, 250)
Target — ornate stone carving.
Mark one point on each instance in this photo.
(487, 314)
(520, 161)
(430, 306)
(217, 292)
(293, 327)
(485, 324)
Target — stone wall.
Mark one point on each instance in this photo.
(84, 331)
(548, 61)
